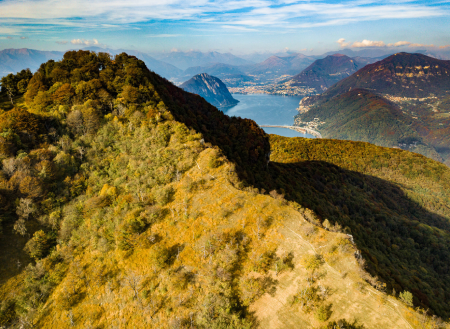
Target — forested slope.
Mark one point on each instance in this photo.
(360, 115)
(399, 101)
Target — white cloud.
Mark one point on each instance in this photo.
(9, 30)
(399, 44)
(342, 43)
(238, 28)
(414, 45)
(84, 42)
(163, 35)
(367, 43)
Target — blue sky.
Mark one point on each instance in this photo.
(311, 27)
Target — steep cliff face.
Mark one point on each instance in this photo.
(212, 89)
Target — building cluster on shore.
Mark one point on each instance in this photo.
(314, 125)
(397, 99)
(273, 89)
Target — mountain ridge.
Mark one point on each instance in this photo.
(402, 75)
(414, 86)
(15, 60)
(184, 60)
(275, 66)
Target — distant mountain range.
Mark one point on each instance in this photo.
(185, 60)
(266, 67)
(211, 89)
(379, 53)
(258, 57)
(231, 75)
(401, 101)
(15, 60)
(276, 66)
(218, 70)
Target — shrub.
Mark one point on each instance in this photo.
(407, 298)
(312, 262)
(323, 313)
(38, 246)
(163, 195)
(160, 256)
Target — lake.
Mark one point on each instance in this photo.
(268, 110)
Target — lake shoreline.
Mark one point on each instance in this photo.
(264, 109)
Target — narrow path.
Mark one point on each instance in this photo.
(336, 272)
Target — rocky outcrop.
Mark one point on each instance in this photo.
(212, 89)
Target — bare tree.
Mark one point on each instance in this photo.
(71, 319)
(134, 281)
(81, 151)
(20, 227)
(52, 132)
(24, 210)
(10, 93)
(9, 166)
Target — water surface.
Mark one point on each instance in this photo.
(268, 110)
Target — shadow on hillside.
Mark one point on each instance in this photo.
(13, 257)
(385, 224)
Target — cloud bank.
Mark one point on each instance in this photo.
(249, 14)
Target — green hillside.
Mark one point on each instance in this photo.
(360, 115)
(400, 101)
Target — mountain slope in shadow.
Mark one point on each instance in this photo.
(394, 203)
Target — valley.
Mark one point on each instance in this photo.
(224, 164)
(281, 89)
